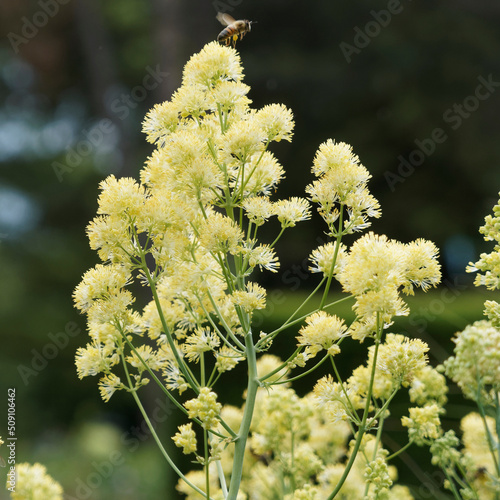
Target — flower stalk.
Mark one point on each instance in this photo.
(189, 232)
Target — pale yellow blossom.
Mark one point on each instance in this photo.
(33, 483)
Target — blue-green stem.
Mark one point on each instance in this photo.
(491, 441)
(352, 411)
(289, 321)
(396, 453)
(363, 426)
(334, 260)
(189, 378)
(241, 440)
(155, 436)
(167, 392)
(497, 424)
(280, 367)
(207, 469)
(297, 377)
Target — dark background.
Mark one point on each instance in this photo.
(397, 80)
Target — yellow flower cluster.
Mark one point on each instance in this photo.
(296, 452)
(423, 423)
(341, 187)
(475, 365)
(188, 230)
(33, 482)
(400, 362)
(205, 407)
(376, 269)
(322, 331)
(489, 264)
(186, 438)
(478, 453)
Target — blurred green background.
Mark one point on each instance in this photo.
(411, 85)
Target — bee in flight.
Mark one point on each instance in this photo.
(233, 28)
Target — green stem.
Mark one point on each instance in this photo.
(453, 488)
(167, 392)
(280, 367)
(289, 321)
(272, 245)
(396, 453)
(155, 436)
(297, 377)
(362, 427)
(491, 444)
(159, 383)
(352, 411)
(193, 383)
(207, 471)
(334, 260)
(497, 422)
(240, 442)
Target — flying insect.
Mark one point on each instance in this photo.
(233, 28)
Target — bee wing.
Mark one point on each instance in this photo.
(225, 19)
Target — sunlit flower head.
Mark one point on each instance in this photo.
(243, 139)
(212, 64)
(489, 263)
(262, 256)
(402, 357)
(32, 482)
(276, 121)
(333, 155)
(202, 340)
(93, 359)
(428, 386)
(373, 263)
(422, 268)
(108, 385)
(322, 258)
(291, 211)
(331, 398)
(258, 209)
(98, 282)
(160, 122)
(121, 197)
(254, 297)
(220, 234)
(321, 331)
(230, 95)
(262, 174)
(342, 184)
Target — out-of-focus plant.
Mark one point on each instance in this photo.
(190, 231)
(31, 482)
(472, 465)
